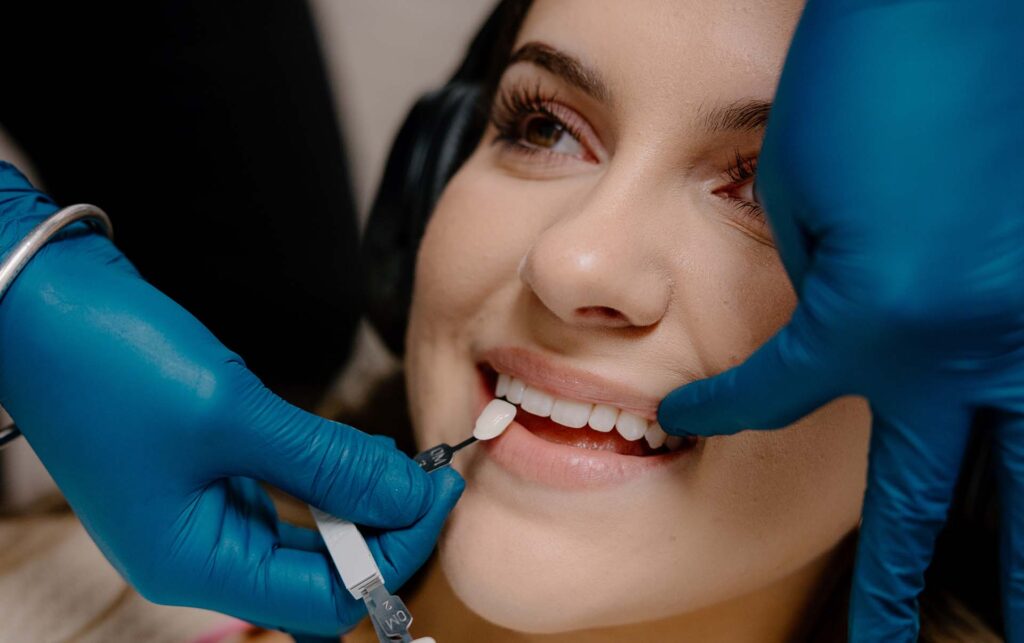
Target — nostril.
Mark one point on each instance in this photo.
(600, 313)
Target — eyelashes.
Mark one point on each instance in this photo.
(744, 168)
(741, 176)
(537, 130)
(530, 122)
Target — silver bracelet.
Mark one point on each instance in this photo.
(33, 242)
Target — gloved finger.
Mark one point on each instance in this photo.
(401, 552)
(781, 382)
(295, 537)
(245, 570)
(294, 590)
(773, 190)
(329, 465)
(913, 463)
(1009, 440)
(301, 592)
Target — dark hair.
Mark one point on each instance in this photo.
(960, 601)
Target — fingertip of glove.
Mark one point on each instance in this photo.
(672, 414)
(448, 483)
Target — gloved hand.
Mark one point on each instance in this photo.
(892, 174)
(156, 434)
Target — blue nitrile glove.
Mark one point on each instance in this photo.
(156, 433)
(893, 176)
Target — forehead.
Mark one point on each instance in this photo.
(671, 50)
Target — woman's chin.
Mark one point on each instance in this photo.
(521, 575)
(506, 602)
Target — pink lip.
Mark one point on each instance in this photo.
(537, 370)
(531, 458)
(562, 466)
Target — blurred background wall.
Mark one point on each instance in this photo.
(381, 55)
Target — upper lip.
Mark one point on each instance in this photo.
(563, 381)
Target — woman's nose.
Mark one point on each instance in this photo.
(597, 269)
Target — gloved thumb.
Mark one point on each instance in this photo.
(330, 465)
(780, 383)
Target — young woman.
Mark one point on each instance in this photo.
(600, 247)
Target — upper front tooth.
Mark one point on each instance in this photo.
(632, 427)
(603, 417)
(502, 387)
(571, 414)
(516, 387)
(537, 402)
(655, 435)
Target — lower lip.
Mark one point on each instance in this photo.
(567, 467)
(534, 459)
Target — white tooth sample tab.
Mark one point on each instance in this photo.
(603, 417)
(537, 402)
(494, 419)
(632, 427)
(571, 414)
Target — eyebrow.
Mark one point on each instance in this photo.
(747, 115)
(563, 65)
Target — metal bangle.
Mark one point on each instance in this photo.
(33, 242)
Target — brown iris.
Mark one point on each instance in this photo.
(543, 132)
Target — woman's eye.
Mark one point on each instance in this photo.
(739, 193)
(745, 193)
(543, 132)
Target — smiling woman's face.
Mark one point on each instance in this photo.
(600, 246)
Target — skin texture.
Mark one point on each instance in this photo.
(623, 256)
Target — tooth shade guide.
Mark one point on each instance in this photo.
(494, 419)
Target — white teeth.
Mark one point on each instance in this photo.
(603, 417)
(502, 387)
(537, 402)
(571, 414)
(494, 419)
(515, 391)
(632, 427)
(655, 435)
(673, 442)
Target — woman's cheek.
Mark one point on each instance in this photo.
(482, 227)
(452, 265)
